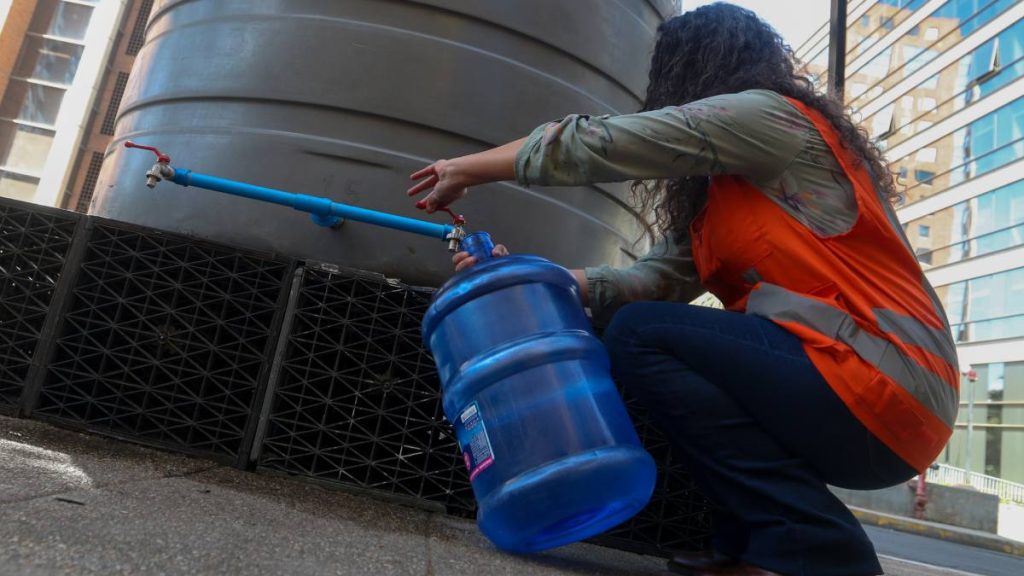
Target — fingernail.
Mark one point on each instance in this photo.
(421, 204)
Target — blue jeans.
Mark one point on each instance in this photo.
(761, 432)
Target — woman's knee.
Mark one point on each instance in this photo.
(627, 342)
(626, 323)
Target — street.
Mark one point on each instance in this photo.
(914, 548)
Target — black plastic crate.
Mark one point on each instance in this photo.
(34, 244)
(678, 516)
(358, 400)
(165, 340)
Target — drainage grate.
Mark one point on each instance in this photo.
(33, 246)
(165, 340)
(138, 36)
(357, 400)
(92, 176)
(114, 104)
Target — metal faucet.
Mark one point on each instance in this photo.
(458, 232)
(161, 170)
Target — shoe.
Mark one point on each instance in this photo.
(732, 569)
(688, 562)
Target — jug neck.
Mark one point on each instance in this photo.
(479, 246)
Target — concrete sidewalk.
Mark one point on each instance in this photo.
(78, 504)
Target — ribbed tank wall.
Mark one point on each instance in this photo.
(345, 99)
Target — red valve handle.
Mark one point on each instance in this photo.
(457, 219)
(160, 156)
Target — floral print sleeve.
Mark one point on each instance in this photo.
(666, 273)
(755, 134)
(729, 134)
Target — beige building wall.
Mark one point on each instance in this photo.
(100, 127)
(15, 16)
(63, 67)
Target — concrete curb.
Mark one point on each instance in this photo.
(944, 532)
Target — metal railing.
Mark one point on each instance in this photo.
(953, 476)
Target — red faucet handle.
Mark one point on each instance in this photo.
(160, 156)
(457, 219)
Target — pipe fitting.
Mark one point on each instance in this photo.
(455, 238)
(159, 171)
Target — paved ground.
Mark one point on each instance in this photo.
(79, 504)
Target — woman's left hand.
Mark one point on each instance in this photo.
(448, 180)
(445, 183)
(463, 260)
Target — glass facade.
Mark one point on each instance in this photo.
(986, 308)
(976, 75)
(986, 224)
(992, 142)
(996, 435)
(943, 29)
(45, 69)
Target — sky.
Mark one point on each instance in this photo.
(796, 20)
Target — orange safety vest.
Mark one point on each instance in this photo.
(859, 302)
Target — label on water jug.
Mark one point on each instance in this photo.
(476, 446)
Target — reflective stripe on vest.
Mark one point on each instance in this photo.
(910, 330)
(897, 228)
(934, 393)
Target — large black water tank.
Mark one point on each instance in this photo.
(346, 98)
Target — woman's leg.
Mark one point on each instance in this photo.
(760, 428)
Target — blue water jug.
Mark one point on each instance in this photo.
(552, 454)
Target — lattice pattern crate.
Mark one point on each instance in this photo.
(165, 340)
(678, 516)
(34, 244)
(358, 398)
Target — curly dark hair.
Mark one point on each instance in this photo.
(724, 49)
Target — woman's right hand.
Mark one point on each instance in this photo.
(463, 260)
(445, 182)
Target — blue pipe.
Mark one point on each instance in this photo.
(324, 211)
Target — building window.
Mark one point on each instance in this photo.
(996, 437)
(24, 149)
(884, 123)
(70, 21)
(924, 177)
(916, 30)
(987, 308)
(887, 23)
(48, 60)
(932, 33)
(924, 255)
(924, 231)
(31, 102)
(865, 21)
(994, 418)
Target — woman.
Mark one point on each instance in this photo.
(833, 362)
